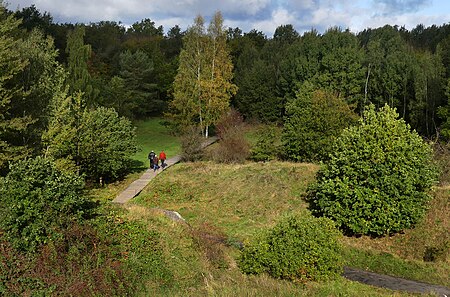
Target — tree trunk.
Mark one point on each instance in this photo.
(365, 90)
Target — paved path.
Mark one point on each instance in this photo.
(394, 283)
(136, 187)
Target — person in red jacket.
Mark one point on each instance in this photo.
(162, 157)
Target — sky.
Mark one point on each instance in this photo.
(262, 15)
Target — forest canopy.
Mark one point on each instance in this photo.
(138, 72)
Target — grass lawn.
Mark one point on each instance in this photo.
(153, 135)
(240, 199)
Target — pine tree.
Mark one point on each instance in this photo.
(11, 64)
(137, 71)
(79, 79)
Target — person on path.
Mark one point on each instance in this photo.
(155, 163)
(151, 157)
(162, 157)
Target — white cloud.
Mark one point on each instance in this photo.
(409, 20)
(262, 15)
(279, 17)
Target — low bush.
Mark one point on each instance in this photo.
(77, 264)
(298, 248)
(106, 256)
(191, 145)
(232, 146)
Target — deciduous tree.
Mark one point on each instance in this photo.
(203, 87)
(314, 120)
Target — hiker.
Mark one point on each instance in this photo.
(151, 156)
(162, 157)
(155, 163)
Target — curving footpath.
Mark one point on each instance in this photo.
(138, 185)
(394, 283)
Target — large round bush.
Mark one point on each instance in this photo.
(37, 201)
(297, 248)
(377, 178)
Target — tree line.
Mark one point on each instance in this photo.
(142, 71)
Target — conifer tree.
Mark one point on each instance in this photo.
(11, 64)
(79, 79)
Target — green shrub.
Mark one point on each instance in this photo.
(313, 121)
(105, 256)
(108, 142)
(37, 200)
(96, 142)
(297, 248)
(377, 179)
(265, 149)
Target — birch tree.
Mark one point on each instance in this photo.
(218, 87)
(203, 87)
(186, 105)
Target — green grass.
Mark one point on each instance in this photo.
(386, 263)
(152, 134)
(240, 199)
(253, 132)
(403, 254)
(194, 273)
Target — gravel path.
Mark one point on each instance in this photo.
(394, 283)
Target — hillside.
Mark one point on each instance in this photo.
(227, 204)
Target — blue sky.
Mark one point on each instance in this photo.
(262, 15)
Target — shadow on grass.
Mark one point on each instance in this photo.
(137, 166)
